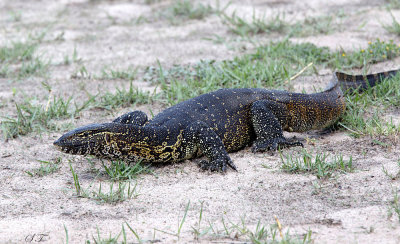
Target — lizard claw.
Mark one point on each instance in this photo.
(219, 164)
(232, 165)
(272, 144)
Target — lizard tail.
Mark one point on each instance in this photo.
(362, 82)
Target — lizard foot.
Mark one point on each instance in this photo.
(218, 164)
(272, 144)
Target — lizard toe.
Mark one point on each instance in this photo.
(264, 145)
(291, 144)
(219, 164)
(273, 144)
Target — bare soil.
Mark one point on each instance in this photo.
(350, 208)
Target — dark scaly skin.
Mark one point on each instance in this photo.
(215, 123)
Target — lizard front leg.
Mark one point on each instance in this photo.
(268, 129)
(137, 117)
(199, 135)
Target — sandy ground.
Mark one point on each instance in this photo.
(350, 208)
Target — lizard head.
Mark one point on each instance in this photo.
(94, 139)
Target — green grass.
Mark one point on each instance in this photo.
(18, 52)
(19, 60)
(394, 27)
(106, 240)
(319, 25)
(197, 231)
(123, 191)
(364, 112)
(392, 176)
(180, 223)
(33, 116)
(260, 234)
(81, 73)
(269, 66)
(225, 229)
(123, 74)
(74, 59)
(119, 170)
(321, 165)
(151, 1)
(16, 16)
(125, 97)
(240, 231)
(66, 235)
(377, 51)
(393, 4)
(46, 168)
(394, 205)
(277, 24)
(257, 25)
(115, 238)
(181, 10)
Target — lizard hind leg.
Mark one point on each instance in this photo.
(268, 129)
(199, 135)
(137, 117)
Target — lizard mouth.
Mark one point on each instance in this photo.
(71, 148)
(91, 139)
(77, 141)
(77, 147)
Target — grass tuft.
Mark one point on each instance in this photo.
(123, 191)
(377, 51)
(16, 16)
(393, 4)
(269, 66)
(321, 165)
(108, 240)
(394, 27)
(81, 73)
(364, 112)
(392, 176)
(19, 60)
(120, 171)
(319, 25)
(32, 116)
(113, 74)
(257, 25)
(35, 117)
(260, 234)
(46, 168)
(124, 98)
(394, 205)
(115, 239)
(277, 24)
(180, 223)
(181, 10)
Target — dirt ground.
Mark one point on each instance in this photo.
(350, 208)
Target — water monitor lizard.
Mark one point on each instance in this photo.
(215, 123)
